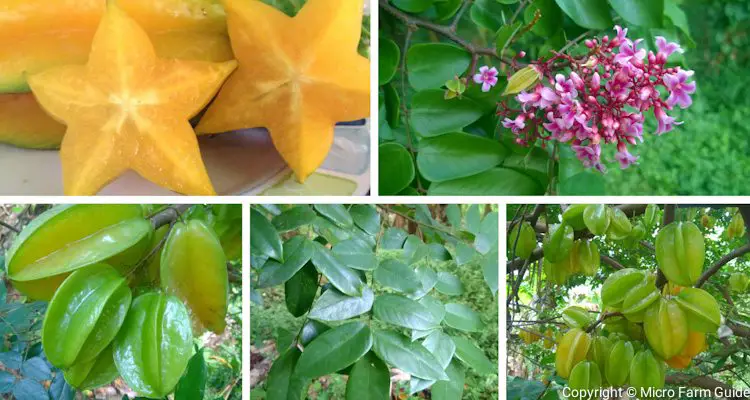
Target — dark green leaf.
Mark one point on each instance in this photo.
(591, 14)
(534, 163)
(388, 58)
(504, 34)
(435, 306)
(293, 218)
(427, 279)
(414, 249)
(586, 183)
(336, 213)
(462, 317)
(330, 231)
(473, 219)
(282, 383)
(473, 356)
(487, 238)
(645, 13)
(487, 14)
(310, 330)
(431, 64)
(393, 239)
(447, 8)
(298, 251)
(343, 278)
(411, 357)
(356, 254)
(458, 155)
(192, 385)
(334, 350)
(495, 182)
(490, 268)
(27, 389)
(36, 368)
(464, 253)
(453, 388)
(449, 284)
(300, 291)
(403, 312)
(439, 252)
(453, 212)
(392, 105)
(413, 6)
(441, 346)
(370, 379)
(678, 17)
(58, 390)
(336, 306)
(7, 380)
(366, 217)
(549, 22)
(396, 275)
(264, 239)
(433, 115)
(396, 168)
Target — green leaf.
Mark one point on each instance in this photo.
(490, 269)
(396, 168)
(336, 306)
(192, 385)
(366, 217)
(439, 252)
(282, 383)
(393, 239)
(678, 17)
(505, 34)
(458, 155)
(264, 239)
(293, 218)
(473, 219)
(488, 14)
(311, 330)
(396, 275)
(370, 379)
(453, 388)
(585, 183)
(356, 254)
(446, 9)
(433, 115)
(36, 368)
(7, 380)
(413, 6)
(344, 279)
(473, 356)
(462, 317)
(298, 251)
(453, 212)
(534, 163)
(449, 284)
(388, 59)
(331, 232)
(551, 19)
(441, 346)
(645, 13)
(411, 357)
(414, 249)
(335, 350)
(300, 291)
(487, 237)
(58, 390)
(427, 279)
(392, 105)
(435, 306)
(464, 253)
(28, 389)
(403, 312)
(495, 182)
(431, 64)
(336, 213)
(591, 14)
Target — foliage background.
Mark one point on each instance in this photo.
(531, 368)
(24, 370)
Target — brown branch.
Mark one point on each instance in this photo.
(601, 319)
(168, 215)
(611, 262)
(467, 4)
(10, 227)
(738, 252)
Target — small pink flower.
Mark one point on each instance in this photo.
(517, 124)
(624, 157)
(629, 53)
(589, 156)
(621, 35)
(679, 90)
(548, 97)
(565, 86)
(595, 81)
(667, 48)
(558, 128)
(665, 121)
(487, 77)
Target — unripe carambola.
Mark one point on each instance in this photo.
(92, 374)
(639, 299)
(649, 216)
(523, 238)
(701, 309)
(599, 351)
(585, 376)
(557, 273)
(619, 225)
(573, 216)
(585, 255)
(576, 317)
(666, 328)
(596, 217)
(85, 315)
(646, 371)
(680, 252)
(571, 349)
(618, 363)
(558, 242)
(619, 284)
(738, 282)
(736, 228)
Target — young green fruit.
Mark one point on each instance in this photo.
(680, 252)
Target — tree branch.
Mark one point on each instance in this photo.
(611, 262)
(738, 252)
(10, 227)
(168, 215)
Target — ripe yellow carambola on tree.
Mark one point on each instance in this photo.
(298, 77)
(619, 225)
(69, 237)
(558, 242)
(736, 227)
(155, 344)
(548, 339)
(639, 299)
(194, 268)
(618, 363)
(619, 284)
(571, 349)
(577, 317)
(647, 371)
(585, 376)
(522, 238)
(91, 374)
(666, 328)
(680, 252)
(530, 337)
(596, 217)
(738, 282)
(573, 216)
(695, 345)
(586, 256)
(701, 309)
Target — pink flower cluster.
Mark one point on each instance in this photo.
(602, 99)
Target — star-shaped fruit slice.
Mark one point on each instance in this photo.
(297, 76)
(128, 109)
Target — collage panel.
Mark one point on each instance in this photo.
(120, 301)
(387, 301)
(204, 97)
(627, 301)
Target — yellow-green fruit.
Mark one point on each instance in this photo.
(738, 282)
(585, 255)
(680, 252)
(646, 371)
(576, 317)
(649, 216)
(557, 273)
(639, 299)
(586, 377)
(548, 339)
(558, 242)
(194, 268)
(618, 363)
(573, 216)
(701, 309)
(666, 328)
(92, 374)
(572, 349)
(523, 238)
(736, 227)
(599, 351)
(619, 225)
(619, 284)
(596, 217)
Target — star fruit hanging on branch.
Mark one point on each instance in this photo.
(602, 99)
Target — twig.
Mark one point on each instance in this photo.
(437, 228)
(10, 227)
(467, 4)
(738, 252)
(601, 319)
